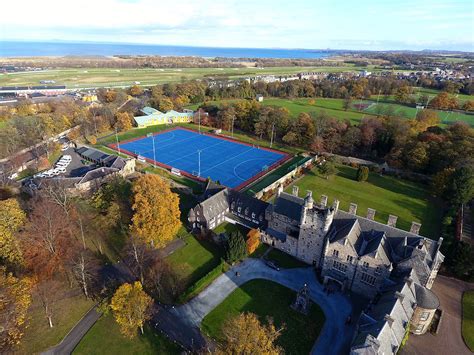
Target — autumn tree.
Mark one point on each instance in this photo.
(135, 90)
(123, 121)
(49, 292)
(468, 105)
(403, 93)
(131, 308)
(155, 211)
(85, 268)
(245, 334)
(12, 218)
(165, 104)
(425, 119)
(48, 241)
(15, 299)
(110, 96)
(444, 101)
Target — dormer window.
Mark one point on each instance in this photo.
(239, 209)
(335, 253)
(365, 265)
(253, 215)
(246, 211)
(349, 259)
(378, 270)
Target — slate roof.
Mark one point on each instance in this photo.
(289, 206)
(276, 234)
(215, 204)
(426, 298)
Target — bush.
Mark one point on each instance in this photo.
(235, 248)
(91, 139)
(362, 173)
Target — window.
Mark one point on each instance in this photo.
(365, 265)
(368, 279)
(378, 270)
(338, 266)
(349, 259)
(253, 215)
(335, 253)
(239, 209)
(424, 316)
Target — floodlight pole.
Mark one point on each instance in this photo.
(199, 115)
(154, 156)
(199, 162)
(116, 139)
(271, 138)
(233, 119)
(378, 96)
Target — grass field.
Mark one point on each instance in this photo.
(105, 338)
(386, 194)
(468, 318)
(194, 260)
(66, 313)
(300, 331)
(97, 77)
(227, 228)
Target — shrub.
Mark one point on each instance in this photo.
(253, 240)
(362, 173)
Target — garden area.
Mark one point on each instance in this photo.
(105, 338)
(300, 331)
(408, 200)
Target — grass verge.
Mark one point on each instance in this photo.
(105, 338)
(468, 318)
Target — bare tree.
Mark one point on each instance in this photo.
(85, 268)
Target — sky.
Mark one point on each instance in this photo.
(315, 24)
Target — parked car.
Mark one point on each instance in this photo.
(272, 264)
(61, 169)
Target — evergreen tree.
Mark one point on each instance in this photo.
(362, 173)
(235, 248)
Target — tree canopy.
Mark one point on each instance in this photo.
(245, 335)
(131, 308)
(155, 211)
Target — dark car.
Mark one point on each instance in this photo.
(272, 264)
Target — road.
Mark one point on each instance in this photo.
(335, 336)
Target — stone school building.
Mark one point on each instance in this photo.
(393, 267)
(154, 117)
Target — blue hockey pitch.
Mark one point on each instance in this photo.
(232, 163)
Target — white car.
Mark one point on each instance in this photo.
(62, 170)
(62, 163)
(55, 172)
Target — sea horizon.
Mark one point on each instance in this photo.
(71, 48)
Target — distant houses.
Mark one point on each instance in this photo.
(154, 117)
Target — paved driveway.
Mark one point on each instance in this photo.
(449, 339)
(335, 336)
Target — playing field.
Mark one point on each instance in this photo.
(234, 164)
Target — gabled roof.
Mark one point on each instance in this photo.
(147, 110)
(289, 206)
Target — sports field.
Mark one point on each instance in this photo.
(234, 164)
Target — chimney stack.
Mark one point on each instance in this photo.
(353, 208)
(335, 205)
(370, 213)
(295, 190)
(279, 190)
(324, 201)
(415, 228)
(392, 220)
(309, 199)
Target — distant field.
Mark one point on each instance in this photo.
(92, 77)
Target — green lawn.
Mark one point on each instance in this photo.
(105, 338)
(195, 259)
(386, 194)
(468, 318)
(284, 260)
(39, 336)
(227, 228)
(269, 299)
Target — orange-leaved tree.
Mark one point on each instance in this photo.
(155, 211)
(15, 296)
(131, 308)
(12, 218)
(245, 334)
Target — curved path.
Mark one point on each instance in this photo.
(335, 336)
